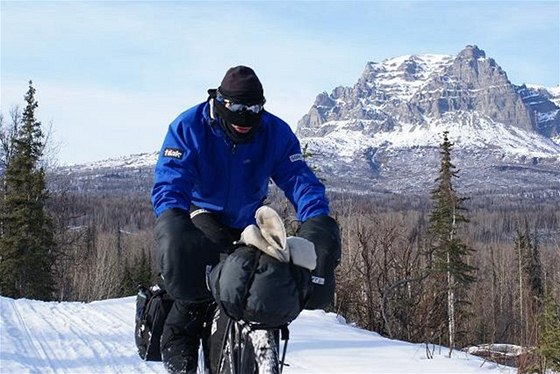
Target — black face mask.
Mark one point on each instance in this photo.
(227, 118)
(233, 135)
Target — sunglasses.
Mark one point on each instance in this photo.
(236, 107)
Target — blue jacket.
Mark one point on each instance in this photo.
(199, 164)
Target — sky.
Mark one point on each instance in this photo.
(97, 337)
(111, 75)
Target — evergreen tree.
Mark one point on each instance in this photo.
(308, 158)
(549, 341)
(140, 273)
(27, 240)
(521, 246)
(536, 276)
(449, 252)
(530, 281)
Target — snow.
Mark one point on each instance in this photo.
(400, 86)
(546, 117)
(97, 337)
(133, 161)
(553, 91)
(467, 130)
(555, 95)
(505, 349)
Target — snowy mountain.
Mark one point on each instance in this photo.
(125, 174)
(384, 131)
(98, 337)
(382, 135)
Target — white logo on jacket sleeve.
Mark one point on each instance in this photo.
(173, 152)
(296, 157)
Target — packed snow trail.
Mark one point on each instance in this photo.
(39, 337)
(98, 337)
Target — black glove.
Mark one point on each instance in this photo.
(185, 254)
(323, 231)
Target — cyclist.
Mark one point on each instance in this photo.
(211, 176)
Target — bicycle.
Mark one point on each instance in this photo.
(259, 282)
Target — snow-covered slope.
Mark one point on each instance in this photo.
(97, 337)
(555, 94)
(469, 130)
(401, 77)
(134, 161)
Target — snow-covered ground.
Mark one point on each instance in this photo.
(97, 337)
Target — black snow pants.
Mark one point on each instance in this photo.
(190, 320)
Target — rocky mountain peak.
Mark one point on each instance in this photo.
(471, 52)
(411, 68)
(420, 89)
(387, 127)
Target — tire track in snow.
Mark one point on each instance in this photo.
(92, 337)
(107, 337)
(69, 338)
(36, 346)
(55, 333)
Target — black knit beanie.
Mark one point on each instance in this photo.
(241, 85)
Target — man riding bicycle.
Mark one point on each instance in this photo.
(211, 177)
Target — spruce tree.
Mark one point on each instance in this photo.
(308, 158)
(27, 239)
(549, 339)
(139, 273)
(449, 252)
(530, 279)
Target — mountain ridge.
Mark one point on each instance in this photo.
(389, 125)
(383, 133)
(417, 88)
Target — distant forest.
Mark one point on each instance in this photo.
(108, 245)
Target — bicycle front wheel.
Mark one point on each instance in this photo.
(265, 351)
(248, 351)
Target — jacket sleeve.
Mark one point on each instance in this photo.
(175, 169)
(295, 178)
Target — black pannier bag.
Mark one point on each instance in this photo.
(255, 287)
(152, 307)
